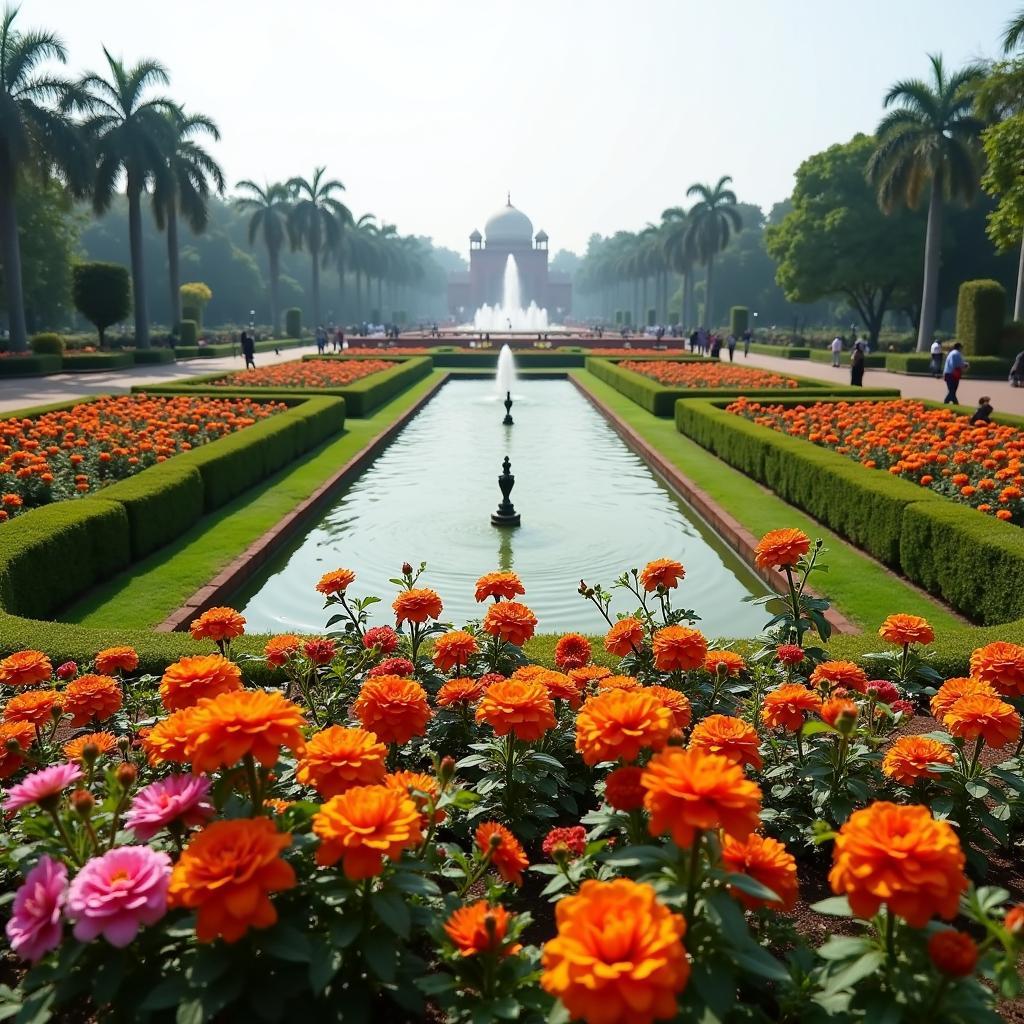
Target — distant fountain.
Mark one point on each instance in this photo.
(505, 379)
(510, 315)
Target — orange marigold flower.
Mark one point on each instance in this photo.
(910, 758)
(953, 953)
(678, 703)
(25, 668)
(831, 674)
(728, 663)
(766, 861)
(989, 718)
(516, 706)
(104, 742)
(227, 873)
(499, 585)
(900, 856)
(906, 629)
(335, 582)
(454, 649)
(622, 789)
(91, 697)
(279, 650)
(619, 683)
(582, 677)
(169, 739)
(780, 548)
(953, 689)
(421, 788)
(1001, 665)
(362, 826)
(481, 928)
(336, 759)
(832, 710)
(558, 685)
(510, 621)
(19, 734)
(662, 572)
(688, 791)
(416, 606)
(618, 954)
(731, 737)
(618, 724)
(679, 648)
(572, 651)
(1014, 920)
(788, 706)
(223, 730)
(625, 637)
(218, 624)
(191, 678)
(116, 659)
(507, 854)
(396, 709)
(459, 692)
(35, 706)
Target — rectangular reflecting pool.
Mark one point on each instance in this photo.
(590, 508)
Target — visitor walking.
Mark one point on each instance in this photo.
(731, 345)
(1017, 371)
(837, 350)
(953, 371)
(983, 414)
(746, 342)
(695, 341)
(321, 340)
(935, 368)
(857, 365)
(249, 350)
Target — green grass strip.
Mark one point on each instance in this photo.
(858, 586)
(145, 594)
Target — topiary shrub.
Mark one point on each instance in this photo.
(293, 322)
(47, 344)
(1011, 341)
(739, 320)
(980, 315)
(189, 332)
(102, 293)
(194, 297)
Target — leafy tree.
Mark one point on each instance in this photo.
(191, 174)
(102, 294)
(132, 133)
(930, 137)
(35, 135)
(835, 241)
(317, 220)
(711, 222)
(269, 207)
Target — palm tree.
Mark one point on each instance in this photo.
(679, 257)
(270, 207)
(133, 134)
(930, 136)
(35, 132)
(191, 174)
(317, 220)
(712, 219)
(1013, 34)
(361, 252)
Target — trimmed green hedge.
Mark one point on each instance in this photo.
(980, 314)
(781, 351)
(28, 365)
(150, 356)
(91, 362)
(971, 561)
(874, 360)
(489, 359)
(981, 368)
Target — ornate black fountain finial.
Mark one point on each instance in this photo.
(507, 421)
(506, 515)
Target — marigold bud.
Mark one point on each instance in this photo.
(82, 802)
(12, 746)
(68, 670)
(406, 569)
(89, 753)
(446, 771)
(1014, 922)
(953, 952)
(126, 774)
(124, 744)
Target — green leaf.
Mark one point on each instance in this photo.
(435, 984)
(164, 994)
(841, 947)
(190, 1012)
(323, 965)
(417, 885)
(637, 856)
(752, 887)
(379, 952)
(344, 931)
(861, 968)
(835, 906)
(286, 942)
(389, 906)
(760, 962)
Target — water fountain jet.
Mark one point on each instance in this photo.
(509, 315)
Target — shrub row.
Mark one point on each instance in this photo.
(781, 351)
(874, 360)
(150, 356)
(982, 367)
(92, 362)
(29, 365)
(974, 563)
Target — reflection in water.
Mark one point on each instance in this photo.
(591, 508)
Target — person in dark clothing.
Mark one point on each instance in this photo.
(694, 339)
(983, 414)
(1017, 371)
(249, 350)
(857, 365)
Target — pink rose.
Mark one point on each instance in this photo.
(35, 926)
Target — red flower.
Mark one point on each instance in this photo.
(565, 842)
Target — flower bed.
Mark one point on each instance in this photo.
(709, 375)
(938, 448)
(376, 829)
(377, 350)
(66, 453)
(305, 373)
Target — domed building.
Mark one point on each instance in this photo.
(508, 232)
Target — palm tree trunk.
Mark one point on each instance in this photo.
(1018, 304)
(138, 263)
(643, 301)
(932, 258)
(380, 299)
(708, 277)
(341, 291)
(315, 255)
(173, 269)
(10, 250)
(274, 258)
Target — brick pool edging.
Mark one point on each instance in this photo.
(261, 550)
(740, 539)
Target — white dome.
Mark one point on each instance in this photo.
(509, 225)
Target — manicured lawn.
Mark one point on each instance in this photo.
(857, 585)
(150, 590)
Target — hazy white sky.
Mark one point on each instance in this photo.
(596, 114)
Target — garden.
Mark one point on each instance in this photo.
(710, 374)
(305, 373)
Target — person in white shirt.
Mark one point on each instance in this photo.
(936, 365)
(837, 348)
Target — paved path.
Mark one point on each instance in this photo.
(62, 387)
